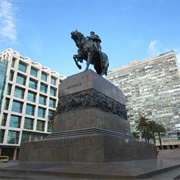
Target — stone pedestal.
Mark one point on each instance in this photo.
(91, 126)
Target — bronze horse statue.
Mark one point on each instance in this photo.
(90, 54)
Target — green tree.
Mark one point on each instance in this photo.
(153, 129)
(160, 129)
(143, 128)
(136, 135)
(156, 128)
(148, 129)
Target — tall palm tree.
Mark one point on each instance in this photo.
(153, 129)
(159, 129)
(143, 128)
(136, 135)
(156, 128)
(148, 129)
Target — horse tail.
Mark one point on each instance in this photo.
(104, 63)
(106, 70)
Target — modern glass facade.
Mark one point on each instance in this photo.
(28, 92)
(28, 123)
(43, 88)
(4, 119)
(17, 106)
(2, 135)
(15, 121)
(152, 88)
(13, 137)
(31, 96)
(3, 67)
(22, 66)
(21, 79)
(30, 109)
(34, 72)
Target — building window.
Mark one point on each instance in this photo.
(31, 96)
(22, 66)
(36, 137)
(28, 124)
(33, 84)
(34, 72)
(17, 106)
(13, 62)
(52, 91)
(3, 67)
(43, 88)
(41, 112)
(21, 79)
(44, 76)
(25, 137)
(2, 132)
(11, 75)
(13, 137)
(9, 89)
(52, 103)
(19, 92)
(53, 80)
(15, 121)
(4, 120)
(30, 109)
(6, 105)
(50, 127)
(40, 125)
(42, 99)
(51, 112)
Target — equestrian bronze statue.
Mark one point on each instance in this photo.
(89, 49)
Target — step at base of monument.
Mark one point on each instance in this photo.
(86, 148)
(142, 169)
(88, 131)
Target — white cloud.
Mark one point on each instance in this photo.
(153, 48)
(8, 26)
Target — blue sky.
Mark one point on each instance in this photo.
(129, 29)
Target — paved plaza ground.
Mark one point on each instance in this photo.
(167, 168)
(143, 169)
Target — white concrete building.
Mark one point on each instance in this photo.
(28, 94)
(152, 88)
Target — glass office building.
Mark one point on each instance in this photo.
(152, 88)
(28, 94)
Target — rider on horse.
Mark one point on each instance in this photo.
(89, 49)
(96, 40)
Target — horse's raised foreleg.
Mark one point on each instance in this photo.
(88, 60)
(75, 57)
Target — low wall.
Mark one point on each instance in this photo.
(169, 154)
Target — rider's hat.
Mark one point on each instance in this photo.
(92, 32)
